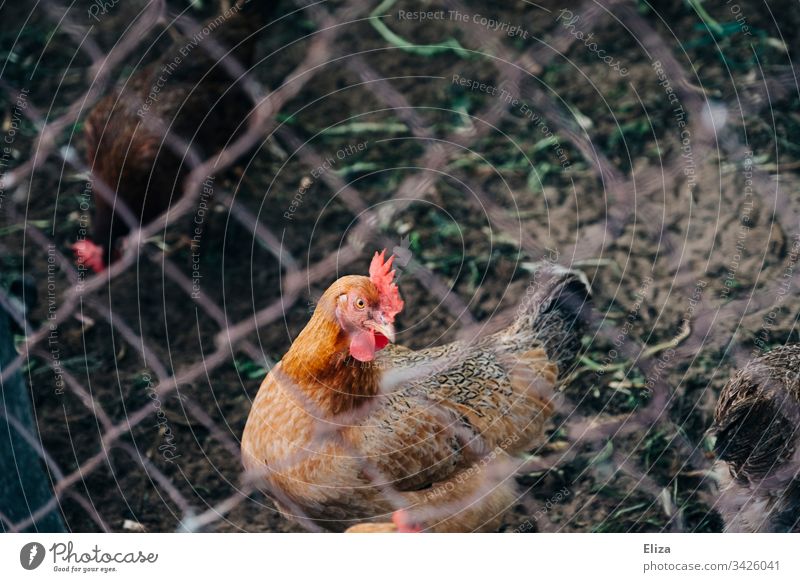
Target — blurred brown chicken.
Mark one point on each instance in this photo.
(349, 428)
(137, 136)
(757, 427)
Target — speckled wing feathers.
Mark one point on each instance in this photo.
(436, 425)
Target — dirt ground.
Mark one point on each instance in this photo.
(707, 230)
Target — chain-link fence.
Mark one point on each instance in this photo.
(676, 303)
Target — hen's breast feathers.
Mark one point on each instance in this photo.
(438, 411)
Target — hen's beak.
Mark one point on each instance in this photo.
(384, 328)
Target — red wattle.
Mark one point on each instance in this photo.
(362, 346)
(381, 341)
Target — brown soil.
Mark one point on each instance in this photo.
(669, 240)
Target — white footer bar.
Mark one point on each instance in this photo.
(389, 557)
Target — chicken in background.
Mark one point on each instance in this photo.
(186, 94)
(349, 427)
(757, 427)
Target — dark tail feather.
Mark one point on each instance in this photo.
(556, 307)
(754, 439)
(757, 429)
(757, 419)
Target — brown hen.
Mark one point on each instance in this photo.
(138, 137)
(347, 428)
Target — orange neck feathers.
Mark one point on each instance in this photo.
(320, 363)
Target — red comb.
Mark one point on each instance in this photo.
(89, 255)
(382, 275)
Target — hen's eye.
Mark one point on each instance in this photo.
(360, 303)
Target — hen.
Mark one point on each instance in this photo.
(348, 428)
(756, 424)
(133, 135)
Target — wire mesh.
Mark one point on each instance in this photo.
(635, 200)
